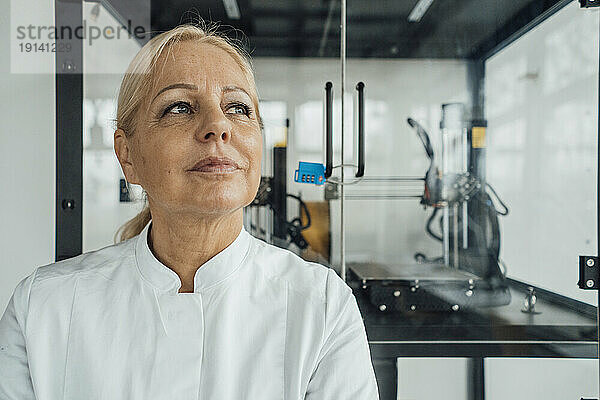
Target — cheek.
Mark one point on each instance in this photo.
(158, 160)
(255, 154)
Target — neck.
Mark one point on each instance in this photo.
(184, 243)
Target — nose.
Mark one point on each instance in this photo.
(215, 126)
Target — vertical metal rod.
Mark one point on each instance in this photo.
(445, 216)
(446, 236)
(255, 221)
(259, 221)
(269, 225)
(464, 150)
(465, 205)
(264, 219)
(343, 59)
(455, 235)
(249, 219)
(465, 216)
(476, 385)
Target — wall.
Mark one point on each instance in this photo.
(27, 160)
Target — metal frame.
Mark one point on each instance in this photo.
(527, 19)
(598, 221)
(69, 138)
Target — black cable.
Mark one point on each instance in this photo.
(293, 227)
(494, 225)
(428, 225)
(422, 258)
(305, 208)
(422, 134)
(506, 210)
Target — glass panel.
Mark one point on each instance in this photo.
(451, 375)
(542, 106)
(480, 190)
(533, 378)
(295, 50)
(105, 60)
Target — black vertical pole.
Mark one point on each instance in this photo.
(476, 377)
(476, 87)
(280, 188)
(386, 373)
(69, 129)
(477, 213)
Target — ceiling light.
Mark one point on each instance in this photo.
(232, 9)
(420, 9)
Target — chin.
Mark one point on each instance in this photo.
(218, 197)
(221, 205)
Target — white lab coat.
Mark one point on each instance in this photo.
(262, 323)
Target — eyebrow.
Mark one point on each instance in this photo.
(230, 88)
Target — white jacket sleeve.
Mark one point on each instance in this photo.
(344, 370)
(15, 380)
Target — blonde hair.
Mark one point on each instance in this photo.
(137, 83)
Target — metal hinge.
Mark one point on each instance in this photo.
(589, 3)
(588, 272)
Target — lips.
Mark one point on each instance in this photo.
(215, 164)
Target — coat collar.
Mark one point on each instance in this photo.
(215, 270)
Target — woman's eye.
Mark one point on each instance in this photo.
(178, 108)
(239, 109)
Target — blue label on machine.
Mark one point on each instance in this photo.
(309, 172)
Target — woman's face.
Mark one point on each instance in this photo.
(199, 107)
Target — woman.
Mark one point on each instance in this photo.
(188, 305)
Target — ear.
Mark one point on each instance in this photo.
(123, 153)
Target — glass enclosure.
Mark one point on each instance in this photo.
(105, 205)
(479, 193)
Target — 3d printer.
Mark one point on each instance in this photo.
(468, 273)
